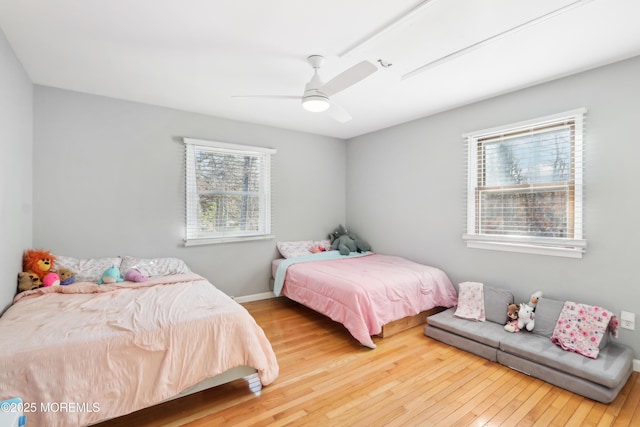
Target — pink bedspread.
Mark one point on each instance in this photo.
(104, 351)
(368, 292)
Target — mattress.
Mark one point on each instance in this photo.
(101, 351)
(364, 292)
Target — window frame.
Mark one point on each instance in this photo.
(572, 246)
(194, 237)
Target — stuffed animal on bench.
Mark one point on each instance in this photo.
(526, 318)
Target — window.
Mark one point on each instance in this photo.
(524, 186)
(228, 189)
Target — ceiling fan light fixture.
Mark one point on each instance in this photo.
(315, 103)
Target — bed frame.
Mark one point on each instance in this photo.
(399, 325)
(241, 372)
(408, 322)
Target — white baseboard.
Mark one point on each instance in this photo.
(254, 297)
(636, 365)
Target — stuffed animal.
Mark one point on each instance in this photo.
(38, 262)
(28, 281)
(316, 249)
(512, 321)
(135, 275)
(67, 276)
(111, 275)
(526, 318)
(51, 279)
(345, 242)
(533, 301)
(360, 244)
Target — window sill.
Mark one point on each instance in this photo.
(567, 252)
(215, 241)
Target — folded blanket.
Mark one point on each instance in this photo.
(580, 328)
(471, 301)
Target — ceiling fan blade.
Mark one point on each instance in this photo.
(348, 78)
(338, 113)
(268, 96)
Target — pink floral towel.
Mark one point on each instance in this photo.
(580, 328)
(471, 301)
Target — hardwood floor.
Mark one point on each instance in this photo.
(328, 379)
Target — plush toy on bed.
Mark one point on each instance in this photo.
(28, 281)
(38, 262)
(345, 242)
(526, 318)
(51, 279)
(512, 318)
(135, 275)
(111, 275)
(67, 277)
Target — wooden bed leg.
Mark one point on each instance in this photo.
(254, 384)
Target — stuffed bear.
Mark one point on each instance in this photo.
(38, 262)
(512, 315)
(526, 318)
(28, 281)
(111, 275)
(345, 242)
(67, 276)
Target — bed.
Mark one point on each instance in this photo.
(366, 292)
(83, 353)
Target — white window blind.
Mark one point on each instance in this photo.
(525, 186)
(228, 192)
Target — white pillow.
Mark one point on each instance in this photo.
(154, 266)
(89, 269)
(300, 247)
(295, 249)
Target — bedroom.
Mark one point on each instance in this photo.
(89, 176)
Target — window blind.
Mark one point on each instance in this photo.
(228, 192)
(525, 189)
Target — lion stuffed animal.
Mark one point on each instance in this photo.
(38, 262)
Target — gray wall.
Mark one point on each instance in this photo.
(109, 180)
(405, 192)
(16, 148)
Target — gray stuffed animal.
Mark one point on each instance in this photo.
(346, 243)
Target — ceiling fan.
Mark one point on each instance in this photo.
(316, 96)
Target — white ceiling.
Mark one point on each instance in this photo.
(194, 55)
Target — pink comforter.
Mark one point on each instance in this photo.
(104, 351)
(368, 292)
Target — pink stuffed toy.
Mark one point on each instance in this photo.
(51, 279)
(135, 275)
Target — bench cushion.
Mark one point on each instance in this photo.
(611, 366)
(488, 333)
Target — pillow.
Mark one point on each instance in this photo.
(326, 244)
(294, 249)
(89, 269)
(546, 316)
(495, 304)
(154, 266)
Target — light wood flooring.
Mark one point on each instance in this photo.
(328, 379)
